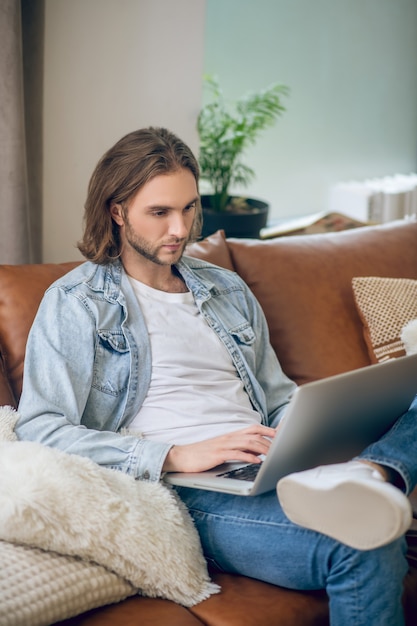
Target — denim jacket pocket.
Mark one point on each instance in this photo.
(111, 362)
(243, 334)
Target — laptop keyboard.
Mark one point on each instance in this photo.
(248, 472)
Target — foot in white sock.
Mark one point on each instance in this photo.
(349, 502)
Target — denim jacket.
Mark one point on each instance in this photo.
(88, 362)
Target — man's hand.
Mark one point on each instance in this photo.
(242, 445)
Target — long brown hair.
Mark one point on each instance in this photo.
(132, 162)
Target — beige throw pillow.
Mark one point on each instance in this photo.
(385, 306)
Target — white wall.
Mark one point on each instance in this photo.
(115, 65)
(111, 66)
(351, 66)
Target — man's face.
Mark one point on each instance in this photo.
(157, 222)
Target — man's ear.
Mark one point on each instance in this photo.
(117, 213)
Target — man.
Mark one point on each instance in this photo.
(151, 363)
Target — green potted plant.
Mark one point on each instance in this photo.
(225, 132)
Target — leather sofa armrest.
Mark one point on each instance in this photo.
(21, 290)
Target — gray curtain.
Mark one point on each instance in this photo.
(21, 87)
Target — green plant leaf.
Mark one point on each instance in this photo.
(225, 131)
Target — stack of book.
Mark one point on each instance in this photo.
(377, 200)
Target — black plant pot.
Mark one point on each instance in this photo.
(245, 224)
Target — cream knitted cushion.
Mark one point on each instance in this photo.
(385, 306)
(38, 588)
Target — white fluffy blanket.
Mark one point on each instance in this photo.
(68, 504)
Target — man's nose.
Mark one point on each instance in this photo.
(178, 226)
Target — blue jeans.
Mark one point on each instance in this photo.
(398, 448)
(253, 537)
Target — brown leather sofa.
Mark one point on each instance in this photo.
(304, 286)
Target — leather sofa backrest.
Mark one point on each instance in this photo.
(21, 290)
(304, 284)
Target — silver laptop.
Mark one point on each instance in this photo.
(327, 421)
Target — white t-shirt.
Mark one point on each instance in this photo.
(195, 392)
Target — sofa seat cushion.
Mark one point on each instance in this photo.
(248, 602)
(242, 602)
(136, 611)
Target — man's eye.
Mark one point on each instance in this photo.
(190, 207)
(159, 213)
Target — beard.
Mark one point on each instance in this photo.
(151, 251)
